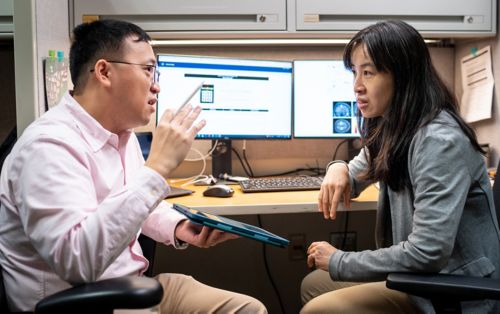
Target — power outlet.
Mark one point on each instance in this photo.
(349, 244)
(297, 249)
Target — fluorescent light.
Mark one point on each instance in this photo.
(258, 42)
(251, 42)
(432, 41)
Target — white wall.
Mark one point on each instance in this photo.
(52, 33)
(40, 25)
(26, 78)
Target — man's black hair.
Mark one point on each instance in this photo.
(101, 39)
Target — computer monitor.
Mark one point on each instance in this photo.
(240, 98)
(324, 101)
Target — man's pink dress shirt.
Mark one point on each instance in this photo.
(74, 198)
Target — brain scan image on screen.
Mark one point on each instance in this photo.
(341, 109)
(341, 126)
(324, 100)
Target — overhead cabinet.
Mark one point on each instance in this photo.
(292, 18)
(157, 16)
(441, 18)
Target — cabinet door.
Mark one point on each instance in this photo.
(6, 13)
(188, 15)
(428, 16)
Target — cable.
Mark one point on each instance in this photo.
(268, 271)
(317, 170)
(337, 148)
(199, 177)
(192, 179)
(314, 170)
(209, 153)
(346, 223)
(245, 158)
(247, 172)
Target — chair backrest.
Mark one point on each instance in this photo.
(148, 246)
(3, 295)
(7, 145)
(5, 149)
(145, 142)
(496, 191)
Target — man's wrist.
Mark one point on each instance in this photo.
(161, 171)
(178, 243)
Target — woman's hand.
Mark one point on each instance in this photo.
(201, 236)
(335, 186)
(318, 255)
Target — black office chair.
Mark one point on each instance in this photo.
(104, 296)
(447, 291)
(7, 145)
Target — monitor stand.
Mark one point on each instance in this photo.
(221, 158)
(221, 161)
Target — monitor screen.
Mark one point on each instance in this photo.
(324, 101)
(239, 98)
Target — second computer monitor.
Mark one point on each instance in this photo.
(240, 98)
(324, 101)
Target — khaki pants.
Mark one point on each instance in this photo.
(183, 294)
(321, 294)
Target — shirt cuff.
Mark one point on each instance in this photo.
(180, 245)
(161, 223)
(334, 264)
(337, 162)
(151, 187)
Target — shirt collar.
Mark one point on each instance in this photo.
(92, 131)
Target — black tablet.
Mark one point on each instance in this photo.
(232, 226)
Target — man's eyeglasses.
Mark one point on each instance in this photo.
(150, 68)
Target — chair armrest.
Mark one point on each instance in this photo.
(130, 292)
(440, 286)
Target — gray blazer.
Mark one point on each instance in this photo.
(445, 223)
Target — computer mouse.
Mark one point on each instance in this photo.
(219, 190)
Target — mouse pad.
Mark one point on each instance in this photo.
(232, 226)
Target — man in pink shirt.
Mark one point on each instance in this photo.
(75, 191)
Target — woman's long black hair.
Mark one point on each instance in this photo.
(419, 96)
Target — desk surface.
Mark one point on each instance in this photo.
(267, 202)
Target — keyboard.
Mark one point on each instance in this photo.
(281, 184)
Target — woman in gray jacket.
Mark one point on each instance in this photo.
(435, 210)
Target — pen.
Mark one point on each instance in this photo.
(190, 97)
